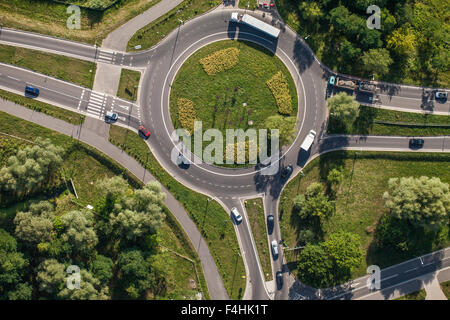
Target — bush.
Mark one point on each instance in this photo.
(220, 60)
(280, 90)
(186, 114)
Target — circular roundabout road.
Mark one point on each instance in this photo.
(162, 64)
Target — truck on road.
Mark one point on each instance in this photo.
(308, 140)
(255, 23)
(367, 87)
(345, 83)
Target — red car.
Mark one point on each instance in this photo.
(144, 132)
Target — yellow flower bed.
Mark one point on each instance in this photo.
(239, 148)
(280, 90)
(186, 114)
(220, 60)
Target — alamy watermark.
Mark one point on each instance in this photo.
(241, 147)
(374, 21)
(74, 280)
(74, 21)
(374, 281)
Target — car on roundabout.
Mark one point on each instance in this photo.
(144, 133)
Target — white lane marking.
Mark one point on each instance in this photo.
(410, 270)
(13, 78)
(395, 275)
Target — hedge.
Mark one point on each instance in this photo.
(186, 114)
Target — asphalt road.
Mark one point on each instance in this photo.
(162, 63)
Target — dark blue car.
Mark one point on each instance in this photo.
(31, 92)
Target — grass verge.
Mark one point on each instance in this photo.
(256, 217)
(155, 31)
(418, 295)
(128, 85)
(211, 219)
(359, 203)
(375, 121)
(51, 110)
(85, 166)
(50, 18)
(248, 4)
(61, 67)
(445, 286)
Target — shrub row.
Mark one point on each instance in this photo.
(220, 60)
(186, 114)
(280, 90)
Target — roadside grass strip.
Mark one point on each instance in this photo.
(220, 60)
(280, 90)
(53, 111)
(186, 114)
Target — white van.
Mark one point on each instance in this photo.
(236, 214)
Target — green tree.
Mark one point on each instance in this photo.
(23, 291)
(51, 277)
(402, 41)
(90, 289)
(376, 61)
(311, 12)
(79, 231)
(423, 202)
(136, 271)
(30, 168)
(344, 249)
(36, 225)
(285, 126)
(334, 176)
(139, 215)
(343, 109)
(314, 266)
(314, 203)
(102, 269)
(13, 267)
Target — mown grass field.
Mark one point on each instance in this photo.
(51, 110)
(157, 30)
(50, 18)
(257, 220)
(61, 67)
(359, 203)
(86, 166)
(209, 216)
(398, 123)
(128, 85)
(418, 295)
(232, 97)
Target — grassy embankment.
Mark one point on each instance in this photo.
(157, 30)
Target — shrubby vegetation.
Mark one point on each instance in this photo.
(115, 245)
(186, 114)
(280, 90)
(220, 60)
(410, 47)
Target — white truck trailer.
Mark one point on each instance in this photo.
(255, 23)
(308, 140)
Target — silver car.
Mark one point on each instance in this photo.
(274, 249)
(236, 215)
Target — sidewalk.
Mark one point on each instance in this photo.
(85, 134)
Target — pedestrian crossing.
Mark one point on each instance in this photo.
(106, 56)
(96, 104)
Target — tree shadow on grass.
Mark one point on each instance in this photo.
(364, 122)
